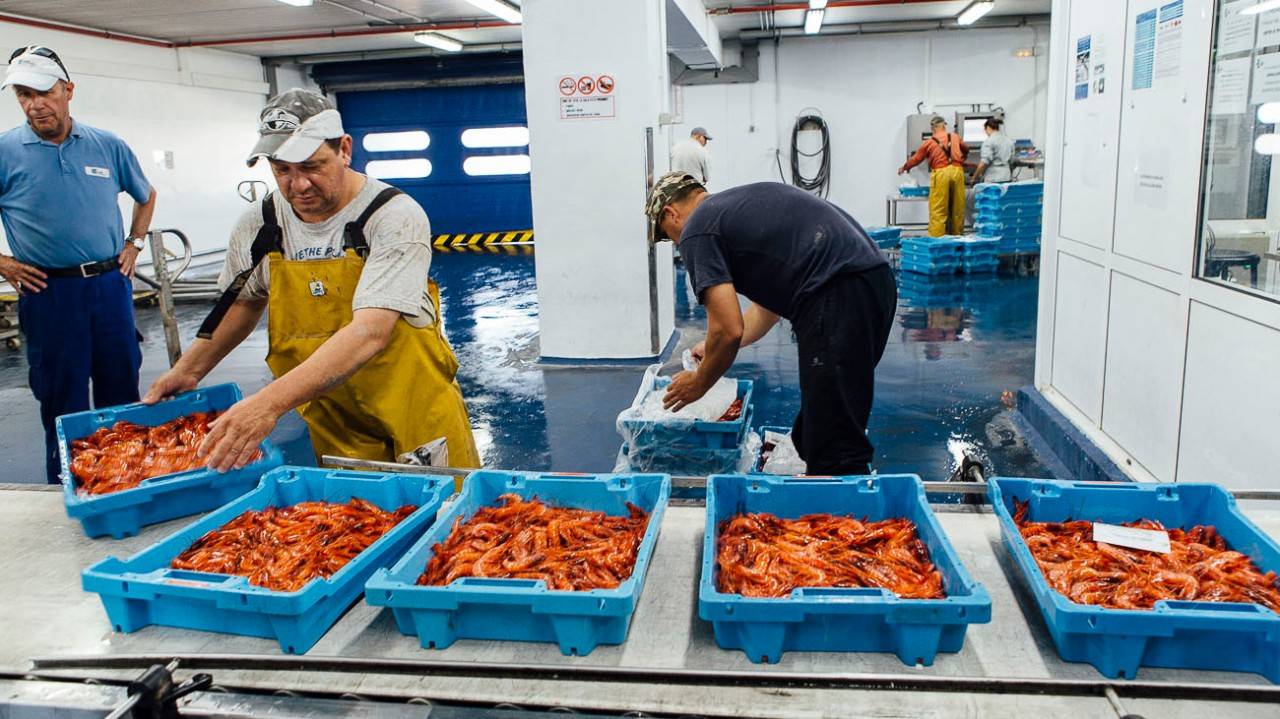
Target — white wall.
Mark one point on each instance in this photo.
(202, 105)
(588, 180)
(1173, 377)
(865, 86)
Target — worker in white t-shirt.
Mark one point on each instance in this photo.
(339, 262)
(691, 156)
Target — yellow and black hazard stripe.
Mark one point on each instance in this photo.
(483, 239)
(511, 248)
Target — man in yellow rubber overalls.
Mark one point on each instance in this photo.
(946, 153)
(340, 263)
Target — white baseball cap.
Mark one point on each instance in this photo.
(36, 67)
(293, 125)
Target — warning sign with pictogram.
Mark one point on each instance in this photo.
(587, 97)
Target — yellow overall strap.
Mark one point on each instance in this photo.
(270, 238)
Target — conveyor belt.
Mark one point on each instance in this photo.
(670, 663)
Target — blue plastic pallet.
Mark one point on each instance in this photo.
(1174, 634)
(682, 433)
(121, 514)
(522, 609)
(838, 619)
(144, 590)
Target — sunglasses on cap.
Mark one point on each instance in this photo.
(42, 51)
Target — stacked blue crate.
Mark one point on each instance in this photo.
(887, 238)
(978, 254)
(931, 255)
(1010, 213)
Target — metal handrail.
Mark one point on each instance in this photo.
(174, 272)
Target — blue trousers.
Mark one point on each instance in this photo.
(80, 330)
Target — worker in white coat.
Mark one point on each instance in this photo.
(997, 151)
(691, 156)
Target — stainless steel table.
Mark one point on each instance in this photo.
(669, 664)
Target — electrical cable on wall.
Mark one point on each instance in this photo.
(820, 182)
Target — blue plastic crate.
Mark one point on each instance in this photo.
(121, 514)
(523, 609)
(144, 590)
(937, 247)
(685, 460)
(913, 191)
(683, 433)
(758, 465)
(926, 267)
(1174, 634)
(1000, 190)
(842, 619)
(886, 238)
(979, 267)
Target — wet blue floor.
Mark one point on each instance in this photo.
(958, 344)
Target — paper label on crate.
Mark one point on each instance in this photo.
(1151, 540)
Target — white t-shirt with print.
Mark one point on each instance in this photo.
(395, 271)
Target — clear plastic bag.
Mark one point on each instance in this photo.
(784, 458)
(655, 439)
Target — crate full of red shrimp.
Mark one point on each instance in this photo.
(129, 466)
(529, 557)
(833, 564)
(1159, 575)
(284, 561)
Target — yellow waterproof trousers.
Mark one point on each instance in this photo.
(401, 399)
(946, 201)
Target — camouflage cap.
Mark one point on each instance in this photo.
(664, 191)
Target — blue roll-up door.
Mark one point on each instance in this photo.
(468, 189)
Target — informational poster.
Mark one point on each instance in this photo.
(1231, 87)
(1266, 79)
(1235, 31)
(1144, 49)
(1268, 30)
(587, 97)
(1168, 60)
(1083, 46)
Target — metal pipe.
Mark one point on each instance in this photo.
(159, 265)
(780, 7)
(336, 34)
(907, 26)
(81, 30)
(396, 54)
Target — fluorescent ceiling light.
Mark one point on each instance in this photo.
(817, 4)
(440, 42)
(1261, 7)
(297, 3)
(499, 8)
(514, 136)
(405, 141)
(813, 21)
(977, 9)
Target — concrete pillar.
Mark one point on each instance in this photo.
(589, 174)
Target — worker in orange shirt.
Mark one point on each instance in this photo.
(946, 153)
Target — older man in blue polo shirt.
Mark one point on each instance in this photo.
(72, 263)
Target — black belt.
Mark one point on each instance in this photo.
(88, 269)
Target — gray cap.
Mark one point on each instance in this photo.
(700, 131)
(937, 120)
(293, 125)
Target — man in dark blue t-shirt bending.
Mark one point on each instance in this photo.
(797, 256)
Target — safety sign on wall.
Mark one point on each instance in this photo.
(587, 97)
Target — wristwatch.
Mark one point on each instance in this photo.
(138, 242)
